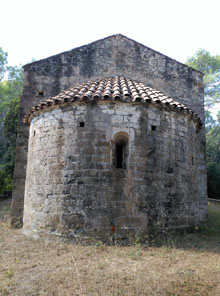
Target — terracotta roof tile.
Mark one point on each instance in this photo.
(113, 88)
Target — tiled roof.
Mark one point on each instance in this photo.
(116, 88)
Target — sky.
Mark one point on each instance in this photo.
(37, 29)
(41, 28)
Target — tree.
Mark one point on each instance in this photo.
(10, 91)
(10, 87)
(210, 66)
(203, 61)
(3, 62)
(209, 121)
(10, 132)
(213, 159)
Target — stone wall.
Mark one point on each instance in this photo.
(113, 55)
(74, 189)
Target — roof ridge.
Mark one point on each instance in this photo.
(109, 37)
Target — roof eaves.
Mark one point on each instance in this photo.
(113, 88)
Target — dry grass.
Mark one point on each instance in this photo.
(187, 265)
(5, 206)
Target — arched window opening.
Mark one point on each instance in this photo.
(121, 151)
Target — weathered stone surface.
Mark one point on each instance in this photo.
(74, 189)
(115, 55)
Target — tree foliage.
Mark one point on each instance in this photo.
(11, 121)
(213, 158)
(203, 61)
(209, 121)
(10, 88)
(3, 62)
(10, 91)
(10, 132)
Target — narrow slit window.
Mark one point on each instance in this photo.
(119, 156)
(121, 151)
(153, 127)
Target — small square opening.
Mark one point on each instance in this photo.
(40, 93)
(153, 127)
(82, 124)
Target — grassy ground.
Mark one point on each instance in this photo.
(184, 265)
(5, 206)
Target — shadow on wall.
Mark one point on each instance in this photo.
(6, 195)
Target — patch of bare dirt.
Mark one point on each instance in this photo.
(29, 267)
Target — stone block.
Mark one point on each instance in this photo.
(128, 222)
